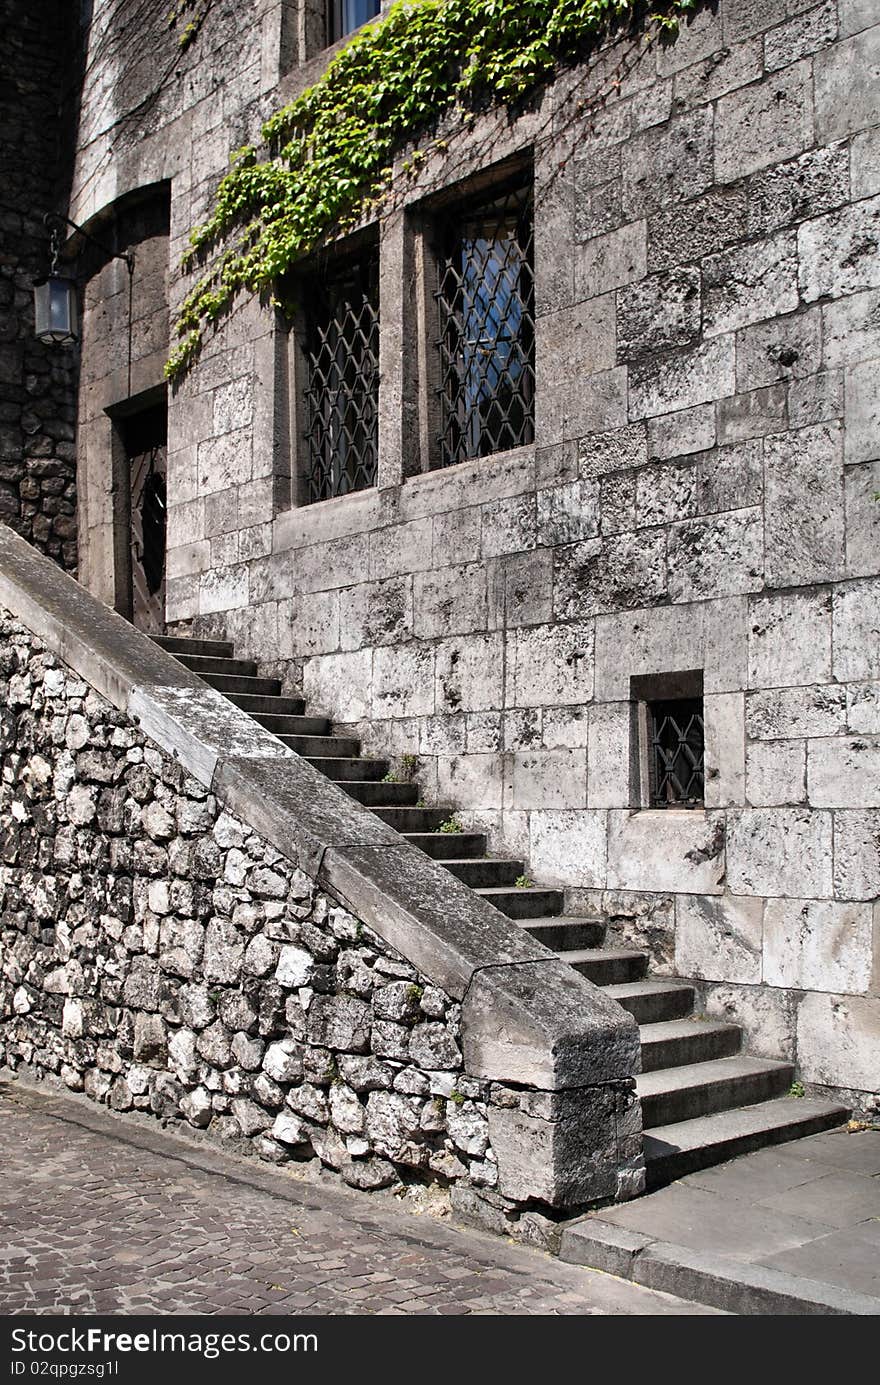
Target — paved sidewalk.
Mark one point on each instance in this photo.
(101, 1214)
(790, 1229)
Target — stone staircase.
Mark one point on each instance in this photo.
(703, 1099)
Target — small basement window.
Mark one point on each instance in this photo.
(672, 739)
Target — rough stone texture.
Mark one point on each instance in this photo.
(37, 382)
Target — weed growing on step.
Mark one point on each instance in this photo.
(523, 882)
(450, 825)
(797, 1089)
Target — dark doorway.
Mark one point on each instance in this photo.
(145, 440)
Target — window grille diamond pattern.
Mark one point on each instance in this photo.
(342, 390)
(485, 299)
(677, 753)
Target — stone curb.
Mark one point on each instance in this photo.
(732, 1285)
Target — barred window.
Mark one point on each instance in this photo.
(344, 16)
(677, 740)
(485, 298)
(342, 385)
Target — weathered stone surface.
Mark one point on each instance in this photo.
(818, 945)
(857, 854)
(837, 1039)
(661, 850)
(719, 938)
(780, 852)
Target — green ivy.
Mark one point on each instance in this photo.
(328, 154)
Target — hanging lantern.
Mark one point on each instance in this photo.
(55, 320)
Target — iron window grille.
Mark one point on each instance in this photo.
(344, 16)
(486, 320)
(342, 380)
(677, 749)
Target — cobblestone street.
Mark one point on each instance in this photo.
(101, 1215)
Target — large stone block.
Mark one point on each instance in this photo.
(549, 779)
(750, 283)
(863, 412)
(851, 329)
(682, 433)
(718, 556)
(604, 575)
(780, 713)
(681, 851)
(677, 235)
(660, 311)
(857, 631)
(339, 685)
(669, 164)
(608, 758)
(764, 124)
(725, 749)
(682, 379)
(776, 773)
(718, 938)
(847, 85)
(818, 945)
(803, 187)
(785, 348)
(553, 665)
(752, 415)
(790, 640)
(567, 847)
(844, 773)
(838, 253)
(768, 1016)
(665, 494)
(609, 261)
(469, 673)
(857, 854)
(578, 1155)
(368, 614)
(779, 853)
(730, 478)
(838, 1040)
(449, 601)
(803, 505)
(708, 635)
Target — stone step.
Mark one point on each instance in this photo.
(260, 702)
(293, 725)
(238, 684)
(532, 903)
(485, 872)
(650, 1002)
(327, 747)
(567, 933)
(699, 1089)
(347, 769)
(673, 1150)
(606, 965)
(673, 1043)
(445, 846)
(182, 644)
(378, 795)
(203, 665)
(412, 819)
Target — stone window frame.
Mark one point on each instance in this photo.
(305, 32)
(420, 452)
(646, 690)
(292, 494)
